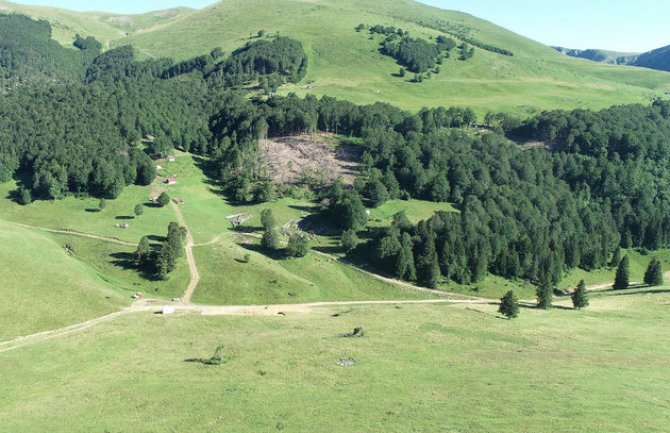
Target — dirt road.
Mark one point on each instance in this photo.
(193, 268)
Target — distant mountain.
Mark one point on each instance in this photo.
(658, 59)
(600, 56)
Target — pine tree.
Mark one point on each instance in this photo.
(163, 199)
(102, 204)
(25, 197)
(143, 252)
(580, 299)
(616, 257)
(408, 253)
(139, 210)
(268, 219)
(165, 261)
(298, 246)
(509, 305)
(654, 273)
(428, 269)
(349, 240)
(621, 281)
(270, 240)
(544, 295)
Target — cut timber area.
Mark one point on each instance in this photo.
(293, 159)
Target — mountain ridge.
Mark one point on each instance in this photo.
(658, 59)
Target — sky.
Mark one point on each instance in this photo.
(617, 25)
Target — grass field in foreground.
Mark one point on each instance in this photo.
(419, 369)
(44, 287)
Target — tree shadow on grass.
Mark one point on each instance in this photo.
(126, 261)
(643, 292)
(303, 208)
(124, 217)
(329, 250)
(274, 255)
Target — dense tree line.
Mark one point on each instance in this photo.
(28, 55)
(620, 156)
(461, 33)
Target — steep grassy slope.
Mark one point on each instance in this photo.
(419, 368)
(43, 287)
(348, 65)
(104, 26)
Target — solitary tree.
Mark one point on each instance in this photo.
(101, 204)
(163, 199)
(402, 72)
(654, 274)
(25, 197)
(580, 299)
(621, 280)
(141, 256)
(139, 209)
(349, 240)
(270, 240)
(297, 245)
(268, 219)
(544, 295)
(509, 305)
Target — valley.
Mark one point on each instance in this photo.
(321, 215)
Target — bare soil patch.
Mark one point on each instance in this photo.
(309, 158)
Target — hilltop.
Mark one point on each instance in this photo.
(348, 65)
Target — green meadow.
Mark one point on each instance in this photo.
(419, 368)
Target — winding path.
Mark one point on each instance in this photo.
(80, 234)
(154, 306)
(193, 268)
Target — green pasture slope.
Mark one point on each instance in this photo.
(45, 287)
(420, 368)
(347, 64)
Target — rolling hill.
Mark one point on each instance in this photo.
(44, 286)
(658, 59)
(347, 64)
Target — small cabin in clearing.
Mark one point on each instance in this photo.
(171, 180)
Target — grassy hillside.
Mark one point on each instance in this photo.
(419, 369)
(104, 26)
(348, 65)
(44, 287)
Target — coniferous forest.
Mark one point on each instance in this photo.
(92, 122)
